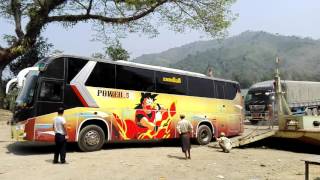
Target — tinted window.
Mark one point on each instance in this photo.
(200, 87)
(74, 66)
(219, 86)
(134, 78)
(103, 75)
(51, 91)
(230, 90)
(171, 83)
(70, 98)
(55, 69)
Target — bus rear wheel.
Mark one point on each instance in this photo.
(91, 138)
(204, 135)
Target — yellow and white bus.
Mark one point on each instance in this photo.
(108, 101)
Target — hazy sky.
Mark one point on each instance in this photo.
(286, 17)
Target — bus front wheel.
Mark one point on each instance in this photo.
(91, 138)
(204, 135)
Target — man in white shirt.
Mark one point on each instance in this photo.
(59, 127)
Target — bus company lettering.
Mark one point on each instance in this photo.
(172, 80)
(113, 94)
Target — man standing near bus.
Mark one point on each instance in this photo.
(59, 126)
(185, 129)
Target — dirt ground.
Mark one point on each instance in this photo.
(271, 159)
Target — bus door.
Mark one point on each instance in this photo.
(50, 96)
(49, 99)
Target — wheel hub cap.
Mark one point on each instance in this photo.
(92, 138)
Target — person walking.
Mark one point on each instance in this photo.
(185, 129)
(59, 126)
(224, 143)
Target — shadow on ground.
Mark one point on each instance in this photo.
(176, 157)
(142, 144)
(32, 148)
(291, 145)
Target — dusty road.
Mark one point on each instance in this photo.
(153, 161)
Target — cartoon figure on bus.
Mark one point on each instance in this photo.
(147, 114)
(151, 120)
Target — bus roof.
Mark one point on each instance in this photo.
(143, 66)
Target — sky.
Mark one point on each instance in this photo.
(286, 17)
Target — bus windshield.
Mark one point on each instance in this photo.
(26, 94)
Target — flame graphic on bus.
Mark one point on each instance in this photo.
(132, 129)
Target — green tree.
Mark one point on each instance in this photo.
(38, 51)
(116, 52)
(30, 17)
(212, 16)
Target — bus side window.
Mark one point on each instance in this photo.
(200, 87)
(74, 66)
(132, 78)
(51, 91)
(55, 69)
(219, 85)
(103, 75)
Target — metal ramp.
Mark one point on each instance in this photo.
(249, 136)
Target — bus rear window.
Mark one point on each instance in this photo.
(230, 90)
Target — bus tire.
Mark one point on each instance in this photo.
(204, 135)
(91, 138)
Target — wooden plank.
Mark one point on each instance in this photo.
(253, 136)
(312, 160)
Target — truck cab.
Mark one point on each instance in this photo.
(258, 104)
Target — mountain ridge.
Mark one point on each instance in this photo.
(247, 58)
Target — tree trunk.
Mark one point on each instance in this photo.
(2, 88)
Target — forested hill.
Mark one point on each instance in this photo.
(174, 55)
(247, 58)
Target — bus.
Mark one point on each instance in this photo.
(111, 101)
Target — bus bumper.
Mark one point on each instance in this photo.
(23, 130)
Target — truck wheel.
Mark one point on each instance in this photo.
(254, 122)
(204, 135)
(91, 138)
